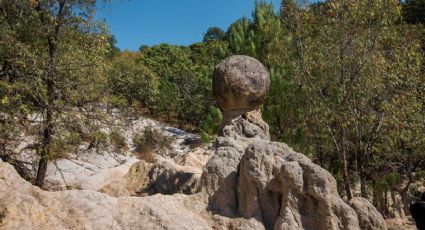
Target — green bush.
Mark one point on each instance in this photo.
(98, 140)
(117, 139)
(211, 124)
(150, 141)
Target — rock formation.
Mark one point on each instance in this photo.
(23, 206)
(164, 177)
(250, 176)
(240, 83)
(250, 182)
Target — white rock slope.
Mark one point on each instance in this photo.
(23, 206)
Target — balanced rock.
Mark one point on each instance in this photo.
(250, 176)
(240, 83)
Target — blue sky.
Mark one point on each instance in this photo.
(181, 22)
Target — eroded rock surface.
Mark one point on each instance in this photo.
(23, 206)
(162, 176)
(369, 217)
(255, 178)
(240, 82)
(145, 179)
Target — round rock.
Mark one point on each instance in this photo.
(240, 83)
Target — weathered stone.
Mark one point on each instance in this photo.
(24, 206)
(369, 217)
(276, 185)
(219, 178)
(248, 125)
(255, 199)
(151, 178)
(240, 83)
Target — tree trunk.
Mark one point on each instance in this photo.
(45, 152)
(48, 122)
(345, 176)
(47, 137)
(363, 188)
(406, 200)
(41, 172)
(375, 200)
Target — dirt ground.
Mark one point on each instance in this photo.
(401, 224)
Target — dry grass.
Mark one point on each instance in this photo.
(117, 139)
(149, 142)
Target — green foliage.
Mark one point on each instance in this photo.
(355, 65)
(387, 182)
(53, 58)
(211, 124)
(261, 37)
(150, 141)
(98, 140)
(280, 113)
(240, 37)
(133, 82)
(213, 34)
(117, 139)
(114, 50)
(166, 81)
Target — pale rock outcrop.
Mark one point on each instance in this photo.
(253, 177)
(145, 179)
(196, 159)
(91, 168)
(163, 176)
(136, 179)
(28, 207)
(287, 191)
(23, 206)
(88, 170)
(220, 173)
(369, 217)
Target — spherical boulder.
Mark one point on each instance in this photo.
(240, 83)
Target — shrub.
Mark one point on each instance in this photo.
(211, 124)
(117, 139)
(150, 141)
(98, 140)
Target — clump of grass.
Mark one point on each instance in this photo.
(210, 125)
(150, 141)
(117, 139)
(98, 140)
